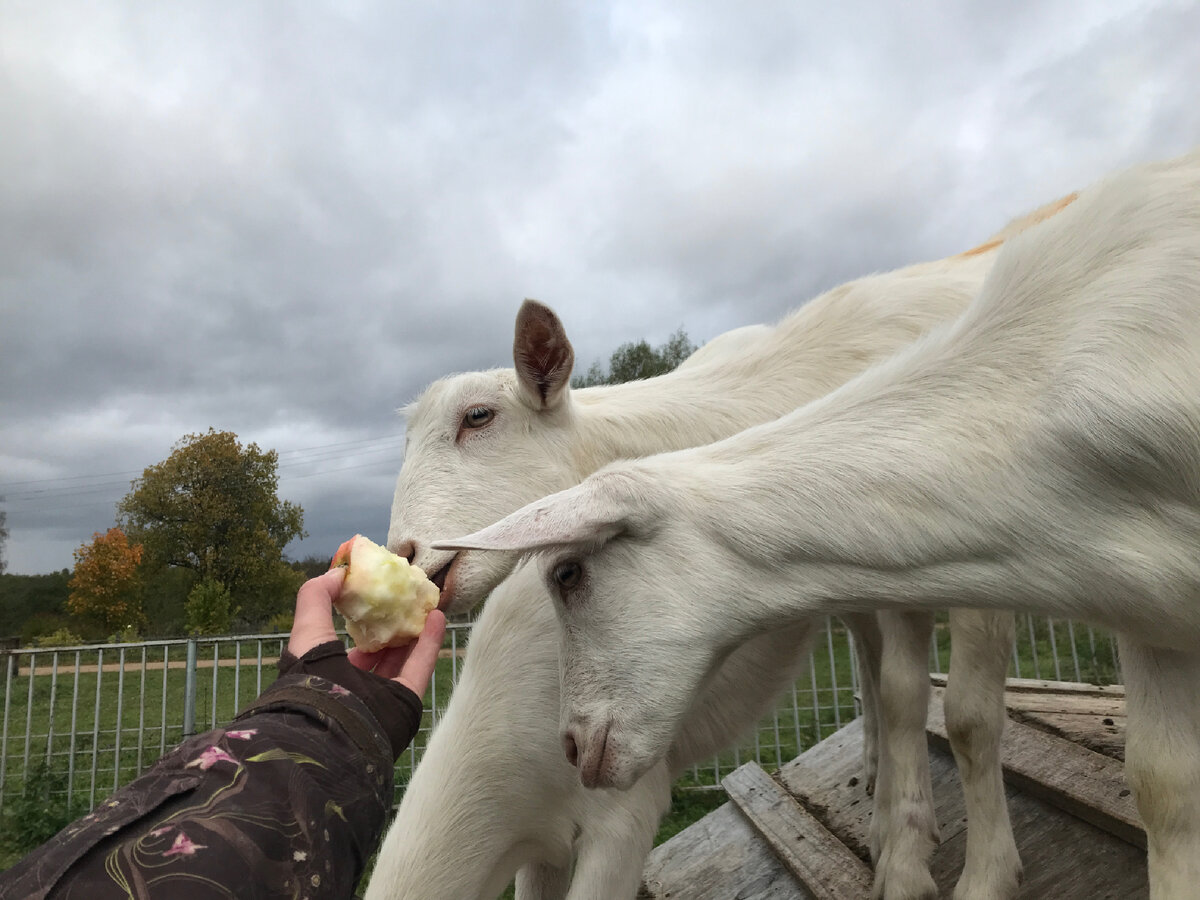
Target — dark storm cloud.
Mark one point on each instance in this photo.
(287, 223)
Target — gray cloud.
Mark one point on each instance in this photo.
(286, 223)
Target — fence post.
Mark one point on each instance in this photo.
(189, 691)
(8, 677)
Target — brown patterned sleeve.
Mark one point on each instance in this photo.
(290, 800)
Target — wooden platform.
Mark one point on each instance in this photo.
(802, 832)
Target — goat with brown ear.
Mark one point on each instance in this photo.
(1040, 453)
(482, 444)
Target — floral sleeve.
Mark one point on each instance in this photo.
(290, 800)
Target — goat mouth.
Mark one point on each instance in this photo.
(440, 578)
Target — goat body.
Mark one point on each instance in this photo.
(1040, 453)
(537, 435)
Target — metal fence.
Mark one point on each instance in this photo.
(81, 721)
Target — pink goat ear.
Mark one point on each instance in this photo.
(542, 355)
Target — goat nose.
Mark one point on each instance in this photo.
(407, 549)
(571, 748)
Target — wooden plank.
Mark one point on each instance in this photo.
(718, 857)
(1101, 707)
(822, 863)
(1064, 858)
(723, 856)
(845, 809)
(1100, 734)
(1038, 684)
(1086, 784)
(827, 779)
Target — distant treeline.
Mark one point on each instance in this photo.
(33, 607)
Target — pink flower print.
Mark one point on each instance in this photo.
(159, 832)
(183, 846)
(338, 691)
(210, 758)
(243, 735)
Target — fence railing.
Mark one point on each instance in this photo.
(78, 722)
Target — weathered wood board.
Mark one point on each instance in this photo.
(1064, 856)
(1089, 785)
(820, 862)
(718, 858)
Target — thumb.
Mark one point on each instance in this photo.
(313, 622)
(418, 668)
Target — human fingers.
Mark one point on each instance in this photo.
(417, 668)
(361, 659)
(391, 660)
(313, 621)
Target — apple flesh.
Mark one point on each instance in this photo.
(384, 599)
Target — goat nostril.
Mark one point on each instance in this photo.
(407, 549)
(572, 749)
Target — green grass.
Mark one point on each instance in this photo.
(122, 720)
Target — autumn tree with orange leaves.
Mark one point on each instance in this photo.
(105, 585)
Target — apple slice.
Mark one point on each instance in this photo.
(384, 599)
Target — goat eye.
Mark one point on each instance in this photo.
(567, 575)
(477, 417)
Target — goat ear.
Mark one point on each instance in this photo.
(578, 515)
(542, 355)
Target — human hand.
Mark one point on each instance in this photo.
(410, 665)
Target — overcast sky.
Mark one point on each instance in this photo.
(285, 220)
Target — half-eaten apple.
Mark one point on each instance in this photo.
(385, 600)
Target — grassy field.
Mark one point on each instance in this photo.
(87, 722)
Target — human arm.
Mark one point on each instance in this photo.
(290, 799)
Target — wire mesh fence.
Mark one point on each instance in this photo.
(78, 722)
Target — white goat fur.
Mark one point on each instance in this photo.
(1041, 453)
(743, 377)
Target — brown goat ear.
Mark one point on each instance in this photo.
(542, 355)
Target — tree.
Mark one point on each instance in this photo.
(35, 604)
(3, 538)
(210, 608)
(212, 507)
(634, 361)
(105, 583)
(312, 565)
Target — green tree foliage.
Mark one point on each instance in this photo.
(212, 507)
(634, 361)
(3, 539)
(33, 604)
(63, 637)
(312, 566)
(210, 608)
(164, 600)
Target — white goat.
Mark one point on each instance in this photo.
(495, 795)
(482, 444)
(1041, 453)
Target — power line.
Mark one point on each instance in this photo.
(335, 471)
